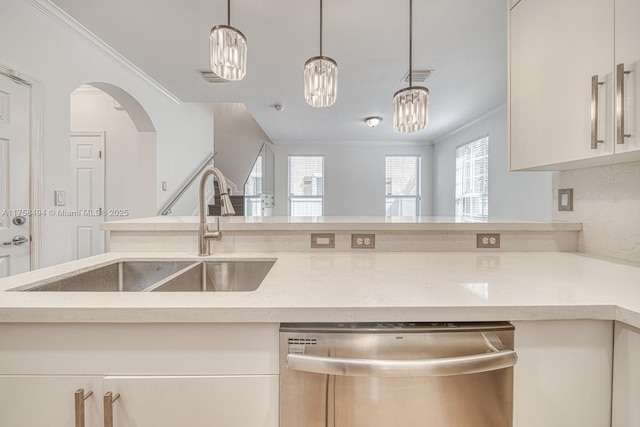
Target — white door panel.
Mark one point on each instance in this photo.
(628, 53)
(199, 401)
(15, 211)
(87, 161)
(48, 400)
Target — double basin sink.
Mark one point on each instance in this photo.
(162, 276)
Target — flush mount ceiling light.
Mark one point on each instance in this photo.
(411, 104)
(373, 121)
(320, 78)
(228, 50)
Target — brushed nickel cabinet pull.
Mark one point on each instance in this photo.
(79, 398)
(595, 84)
(620, 135)
(108, 400)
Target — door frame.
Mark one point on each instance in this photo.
(35, 160)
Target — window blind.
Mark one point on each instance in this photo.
(306, 185)
(472, 179)
(402, 189)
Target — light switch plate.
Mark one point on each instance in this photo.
(323, 240)
(58, 198)
(565, 199)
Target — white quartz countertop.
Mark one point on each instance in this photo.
(339, 223)
(345, 286)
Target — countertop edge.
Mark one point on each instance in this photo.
(122, 315)
(288, 224)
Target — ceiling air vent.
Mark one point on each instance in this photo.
(419, 76)
(212, 77)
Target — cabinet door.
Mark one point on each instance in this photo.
(199, 401)
(556, 47)
(563, 375)
(627, 52)
(42, 400)
(626, 376)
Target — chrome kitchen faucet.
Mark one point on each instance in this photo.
(204, 234)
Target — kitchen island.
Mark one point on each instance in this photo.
(150, 347)
(355, 287)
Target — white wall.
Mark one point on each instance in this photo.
(35, 45)
(517, 195)
(354, 175)
(238, 139)
(606, 200)
(130, 167)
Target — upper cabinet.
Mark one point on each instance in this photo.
(574, 83)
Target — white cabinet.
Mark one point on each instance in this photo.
(166, 375)
(47, 400)
(626, 377)
(627, 55)
(203, 401)
(143, 401)
(562, 58)
(563, 375)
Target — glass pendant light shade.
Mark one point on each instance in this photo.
(411, 105)
(228, 52)
(320, 81)
(411, 109)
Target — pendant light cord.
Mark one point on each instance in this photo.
(410, 43)
(320, 27)
(229, 12)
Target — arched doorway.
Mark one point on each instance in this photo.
(113, 161)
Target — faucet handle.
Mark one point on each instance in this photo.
(213, 234)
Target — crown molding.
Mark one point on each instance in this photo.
(494, 112)
(69, 23)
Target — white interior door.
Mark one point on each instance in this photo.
(14, 177)
(87, 162)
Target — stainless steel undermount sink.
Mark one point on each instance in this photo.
(162, 276)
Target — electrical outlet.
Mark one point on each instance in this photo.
(488, 240)
(363, 241)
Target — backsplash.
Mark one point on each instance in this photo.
(606, 200)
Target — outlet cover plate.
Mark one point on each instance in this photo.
(565, 199)
(323, 240)
(363, 241)
(488, 240)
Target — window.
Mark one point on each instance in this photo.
(253, 190)
(402, 185)
(306, 185)
(472, 179)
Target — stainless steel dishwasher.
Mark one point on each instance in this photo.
(396, 374)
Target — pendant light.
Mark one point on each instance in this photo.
(228, 50)
(411, 104)
(320, 78)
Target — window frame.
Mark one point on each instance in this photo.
(483, 196)
(253, 200)
(291, 197)
(417, 197)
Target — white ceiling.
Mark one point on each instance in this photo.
(463, 40)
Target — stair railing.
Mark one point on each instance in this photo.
(166, 208)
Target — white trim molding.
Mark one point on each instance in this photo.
(35, 160)
(69, 23)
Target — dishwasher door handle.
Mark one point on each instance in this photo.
(439, 367)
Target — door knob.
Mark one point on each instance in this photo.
(19, 220)
(16, 241)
